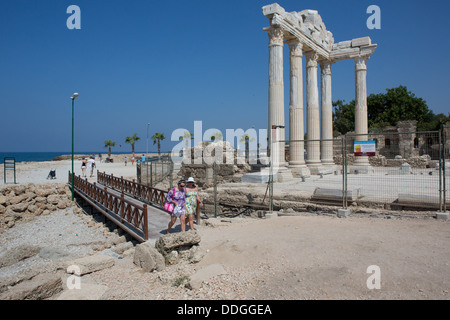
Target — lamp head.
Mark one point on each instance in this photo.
(74, 96)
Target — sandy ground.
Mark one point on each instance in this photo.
(37, 172)
(303, 257)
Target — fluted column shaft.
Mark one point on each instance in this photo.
(312, 112)
(276, 94)
(326, 146)
(361, 118)
(296, 127)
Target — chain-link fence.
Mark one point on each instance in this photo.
(390, 169)
(397, 169)
(446, 166)
(155, 171)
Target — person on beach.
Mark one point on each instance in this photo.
(177, 196)
(192, 203)
(91, 162)
(83, 167)
(125, 161)
(132, 161)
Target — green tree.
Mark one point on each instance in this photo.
(343, 117)
(109, 144)
(385, 109)
(132, 140)
(157, 138)
(186, 137)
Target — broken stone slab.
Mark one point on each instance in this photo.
(172, 241)
(205, 274)
(335, 194)
(43, 286)
(122, 247)
(409, 198)
(258, 177)
(91, 264)
(147, 257)
(17, 254)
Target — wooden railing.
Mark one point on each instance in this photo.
(142, 192)
(131, 217)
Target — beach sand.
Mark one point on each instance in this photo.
(37, 172)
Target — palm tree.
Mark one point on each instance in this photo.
(157, 137)
(132, 140)
(186, 137)
(246, 139)
(109, 144)
(216, 136)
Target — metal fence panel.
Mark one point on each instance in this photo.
(404, 172)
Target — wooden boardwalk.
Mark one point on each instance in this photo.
(127, 204)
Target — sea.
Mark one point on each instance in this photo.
(48, 156)
(39, 156)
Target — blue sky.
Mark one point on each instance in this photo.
(173, 62)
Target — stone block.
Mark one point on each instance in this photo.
(344, 213)
(258, 177)
(92, 263)
(270, 214)
(147, 257)
(360, 42)
(442, 215)
(271, 9)
(335, 194)
(172, 241)
(408, 198)
(42, 286)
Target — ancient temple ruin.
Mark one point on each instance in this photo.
(305, 34)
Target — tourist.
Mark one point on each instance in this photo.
(143, 159)
(132, 161)
(91, 162)
(83, 167)
(177, 196)
(192, 203)
(125, 161)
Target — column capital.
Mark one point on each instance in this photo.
(276, 36)
(311, 59)
(360, 62)
(296, 48)
(325, 66)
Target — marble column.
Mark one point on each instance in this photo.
(326, 147)
(361, 119)
(276, 94)
(296, 127)
(312, 113)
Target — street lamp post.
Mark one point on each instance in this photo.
(73, 97)
(147, 138)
